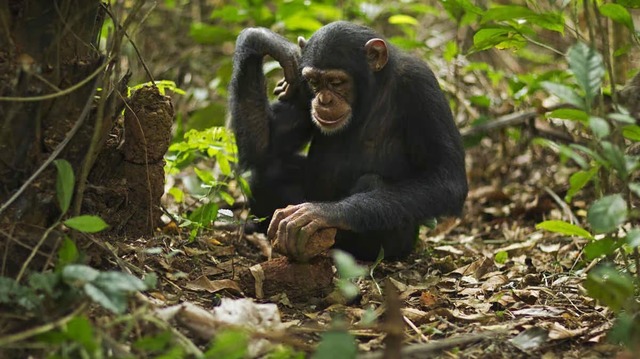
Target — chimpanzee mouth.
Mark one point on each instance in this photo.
(331, 123)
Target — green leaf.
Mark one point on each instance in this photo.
(209, 34)
(506, 13)
(80, 330)
(578, 180)
(599, 248)
(633, 238)
(501, 257)
(228, 344)
(79, 273)
(67, 253)
(86, 224)
(336, 344)
(623, 118)
(607, 213)
(302, 22)
(514, 13)
(205, 176)
(347, 288)
(565, 93)
(115, 302)
(588, 69)
(625, 327)
(615, 158)
(402, 20)
(227, 198)
(205, 214)
(611, 287)
(223, 164)
(500, 38)
(177, 194)
(635, 188)
(618, 14)
(347, 266)
(563, 227)
(64, 184)
(156, 342)
(599, 126)
(631, 132)
(119, 282)
(569, 114)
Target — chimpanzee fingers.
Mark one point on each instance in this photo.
(286, 93)
(305, 233)
(281, 87)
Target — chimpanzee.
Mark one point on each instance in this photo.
(384, 152)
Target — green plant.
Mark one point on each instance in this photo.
(606, 164)
(199, 150)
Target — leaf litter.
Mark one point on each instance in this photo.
(455, 298)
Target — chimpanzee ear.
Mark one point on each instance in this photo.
(302, 42)
(377, 54)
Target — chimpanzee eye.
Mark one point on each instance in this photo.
(336, 83)
(312, 82)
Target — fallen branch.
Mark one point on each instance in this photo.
(429, 349)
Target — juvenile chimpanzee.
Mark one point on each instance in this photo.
(384, 151)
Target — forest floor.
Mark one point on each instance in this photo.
(488, 285)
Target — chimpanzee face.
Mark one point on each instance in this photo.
(332, 105)
(329, 69)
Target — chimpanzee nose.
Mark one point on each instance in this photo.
(324, 98)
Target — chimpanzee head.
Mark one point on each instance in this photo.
(338, 63)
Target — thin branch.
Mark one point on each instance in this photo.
(61, 93)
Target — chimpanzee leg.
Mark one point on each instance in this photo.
(397, 242)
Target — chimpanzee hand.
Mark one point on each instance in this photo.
(294, 225)
(283, 90)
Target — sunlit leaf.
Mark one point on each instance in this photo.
(618, 14)
(500, 38)
(631, 132)
(501, 257)
(578, 180)
(401, 19)
(569, 114)
(177, 194)
(86, 224)
(564, 228)
(607, 213)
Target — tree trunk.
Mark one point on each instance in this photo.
(59, 99)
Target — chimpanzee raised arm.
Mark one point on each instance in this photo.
(385, 153)
(269, 135)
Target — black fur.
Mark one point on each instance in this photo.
(399, 161)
